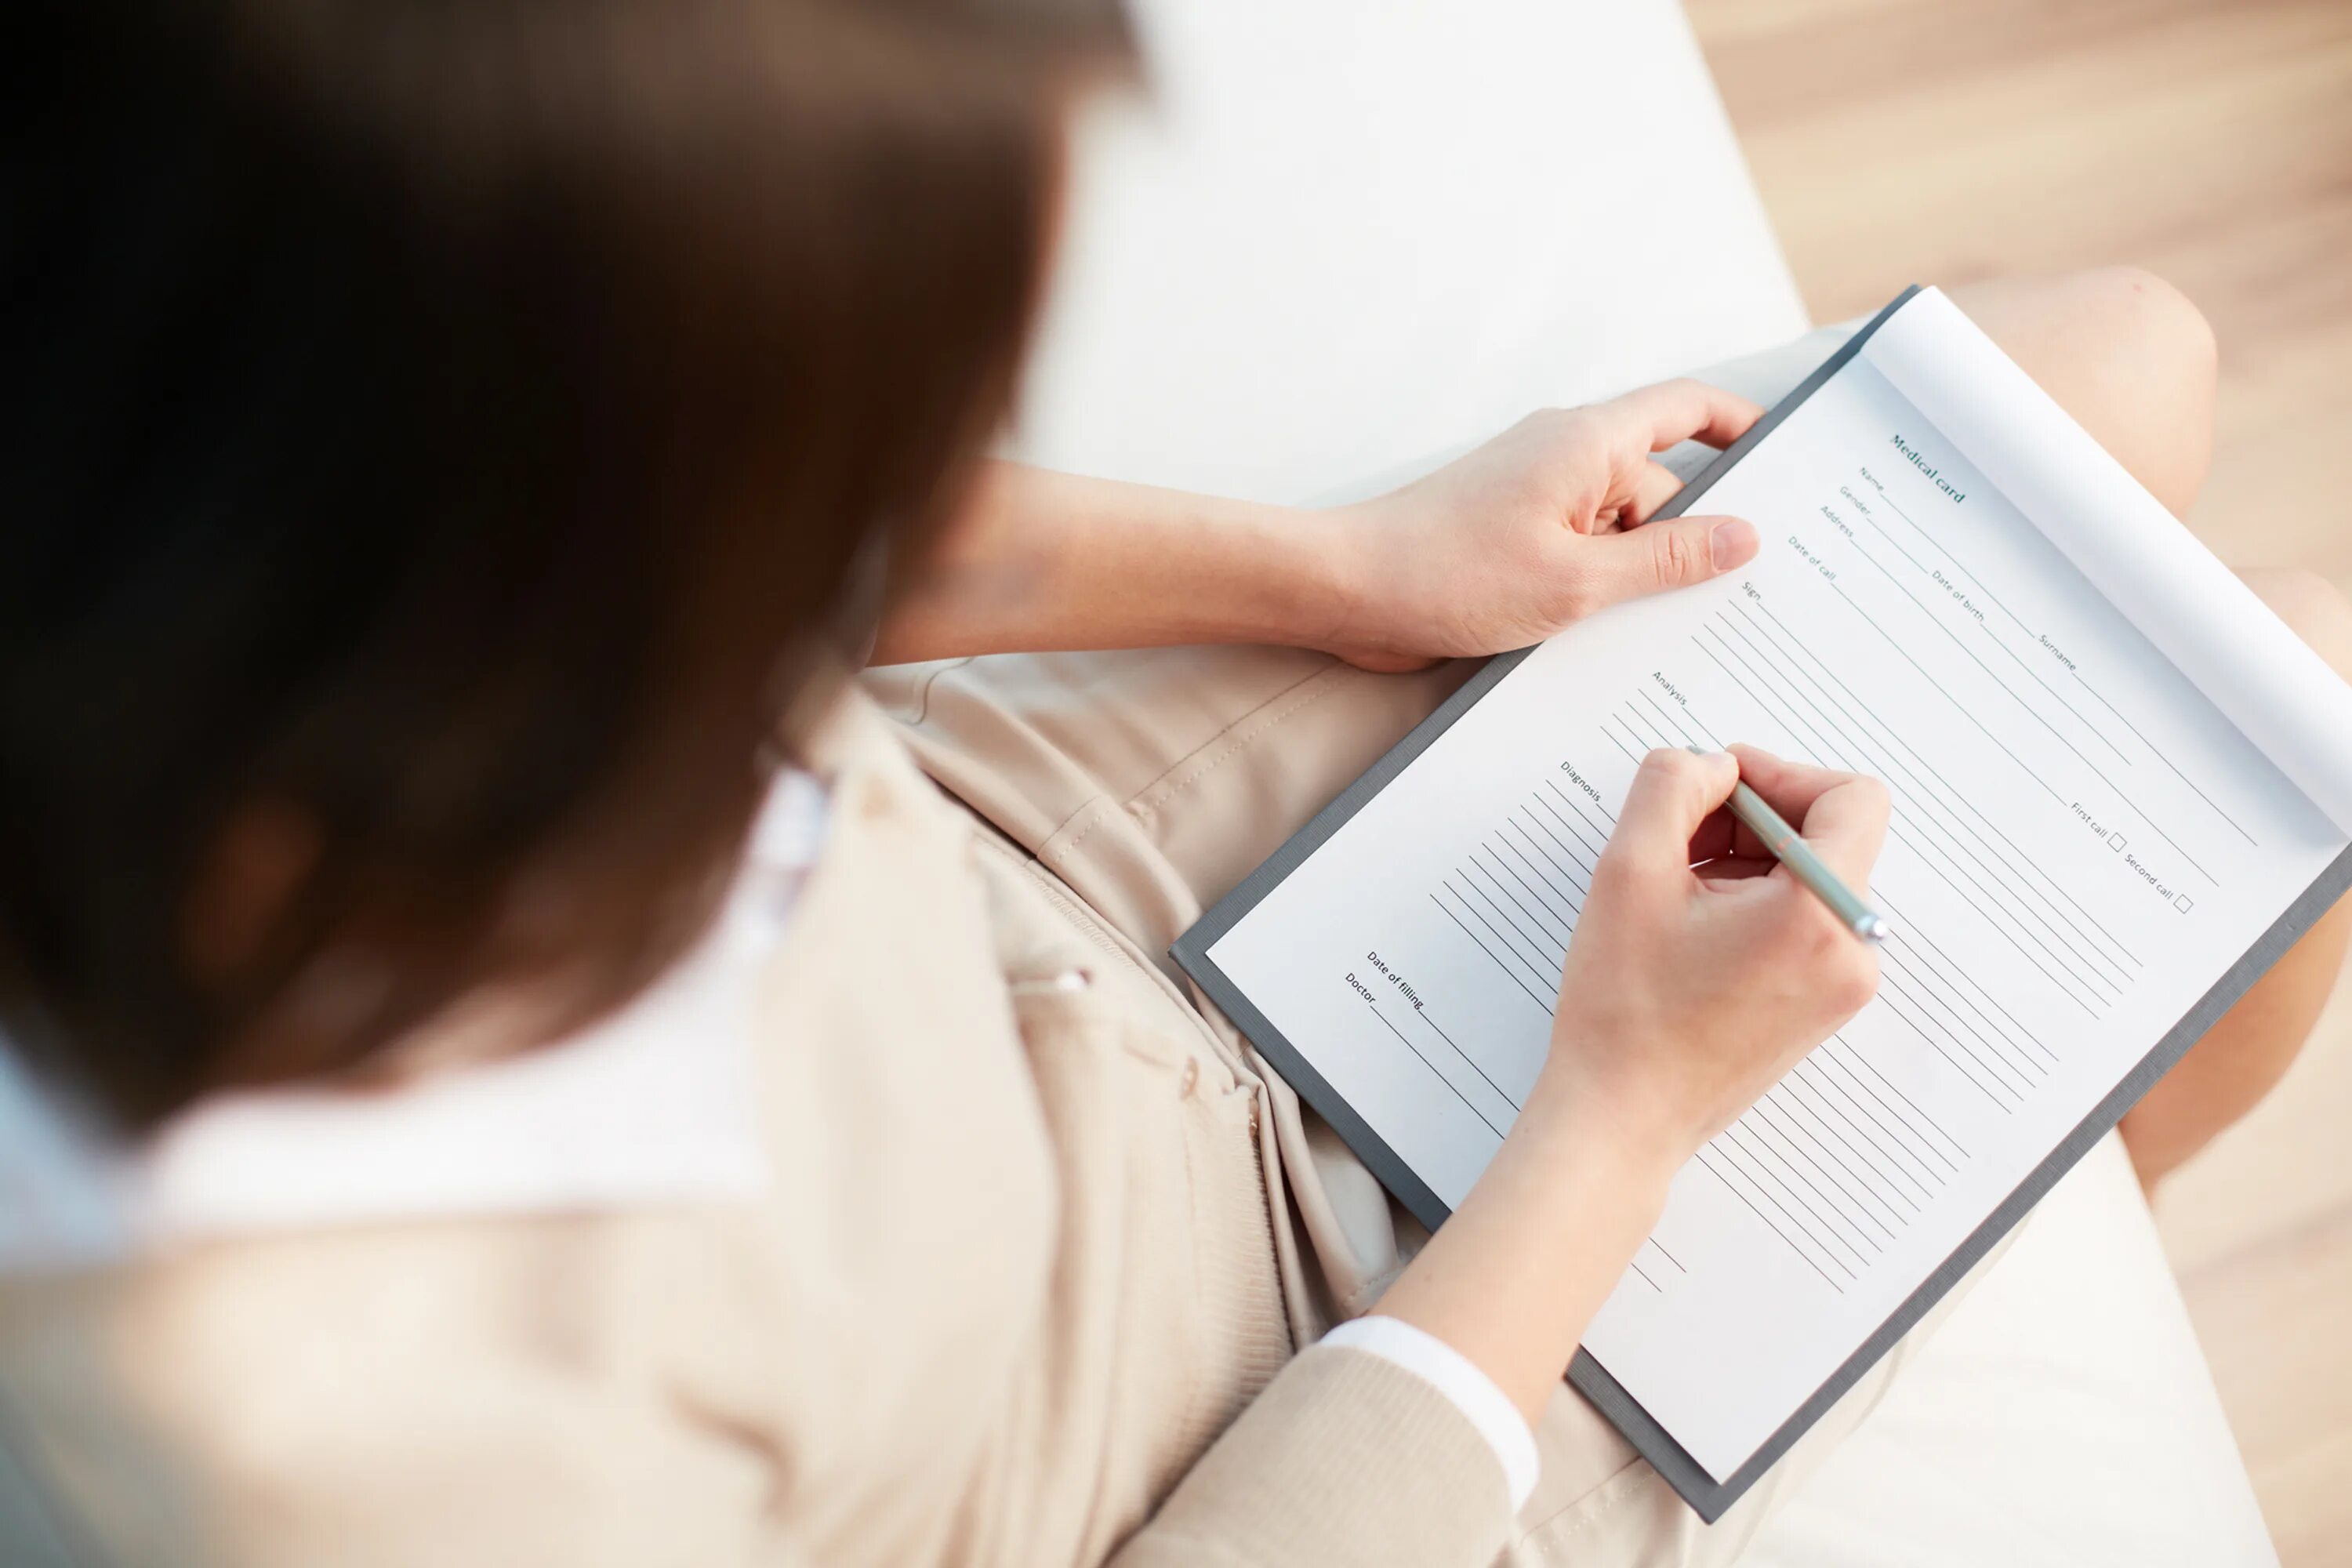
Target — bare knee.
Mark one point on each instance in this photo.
(2126, 354)
(2150, 354)
(2313, 606)
(2148, 315)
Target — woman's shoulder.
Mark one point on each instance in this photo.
(901, 1179)
(596, 1271)
(648, 1106)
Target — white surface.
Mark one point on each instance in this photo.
(1340, 235)
(2032, 870)
(2062, 1417)
(1469, 1390)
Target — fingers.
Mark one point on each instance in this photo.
(1841, 816)
(1788, 788)
(1847, 827)
(1653, 486)
(1671, 795)
(1687, 410)
(1723, 840)
(1734, 870)
(1661, 555)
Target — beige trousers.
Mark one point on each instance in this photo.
(1151, 782)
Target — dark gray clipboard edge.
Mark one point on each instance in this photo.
(1706, 1496)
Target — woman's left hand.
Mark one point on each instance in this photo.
(1539, 527)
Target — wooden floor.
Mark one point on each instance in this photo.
(2210, 141)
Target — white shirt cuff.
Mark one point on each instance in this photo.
(1457, 1377)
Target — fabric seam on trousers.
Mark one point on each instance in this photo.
(923, 692)
(1160, 791)
(1592, 1514)
(1099, 806)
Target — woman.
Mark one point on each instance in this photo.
(584, 1096)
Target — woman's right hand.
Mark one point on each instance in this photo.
(1700, 972)
(1691, 988)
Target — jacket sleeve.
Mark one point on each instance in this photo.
(1346, 1458)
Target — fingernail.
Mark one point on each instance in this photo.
(1731, 541)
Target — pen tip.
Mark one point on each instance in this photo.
(1873, 927)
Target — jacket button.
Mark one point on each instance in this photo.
(1192, 1080)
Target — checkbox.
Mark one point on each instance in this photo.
(2115, 841)
(2183, 903)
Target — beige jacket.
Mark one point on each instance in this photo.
(1012, 1294)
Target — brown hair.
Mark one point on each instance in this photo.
(448, 432)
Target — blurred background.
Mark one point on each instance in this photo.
(2210, 140)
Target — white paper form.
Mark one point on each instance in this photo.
(2081, 843)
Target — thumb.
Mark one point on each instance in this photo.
(1671, 795)
(1674, 553)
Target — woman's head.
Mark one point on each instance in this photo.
(447, 435)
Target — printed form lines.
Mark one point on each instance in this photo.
(1817, 670)
(1863, 510)
(1944, 548)
(1431, 1058)
(1440, 1073)
(1518, 893)
(1487, 945)
(1855, 542)
(1832, 1167)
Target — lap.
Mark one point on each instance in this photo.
(1152, 781)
